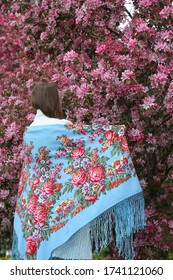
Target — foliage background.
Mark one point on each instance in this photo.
(109, 66)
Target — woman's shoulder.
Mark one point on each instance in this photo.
(63, 121)
(43, 120)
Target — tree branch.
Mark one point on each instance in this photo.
(129, 14)
(165, 120)
(118, 34)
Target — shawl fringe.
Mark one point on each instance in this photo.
(124, 219)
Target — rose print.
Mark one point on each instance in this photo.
(91, 198)
(124, 145)
(111, 136)
(32, 203)
(48, 187)
(40, 215)
(36, 182)
(79, 177)
(96, 173)
(31, 246)
(77, 153)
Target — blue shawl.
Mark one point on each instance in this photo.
(78, 193)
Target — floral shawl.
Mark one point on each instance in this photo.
(78, 192)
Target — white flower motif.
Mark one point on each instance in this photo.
(107, 127)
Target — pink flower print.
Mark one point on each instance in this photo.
(48, 187)
(79, 177)
(77, 153)
(40, 215)
(96, 173)
(32, 203)
(31, 246)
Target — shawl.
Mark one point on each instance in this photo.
(78, 193)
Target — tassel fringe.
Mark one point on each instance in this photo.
(127, 217)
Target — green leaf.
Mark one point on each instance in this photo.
(68, 187)
(45, 232)
(107, 182)
(114, 151)
(77, 193)
(88, 152)
(103, 160)
(56, 196)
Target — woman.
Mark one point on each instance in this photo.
(78, 187)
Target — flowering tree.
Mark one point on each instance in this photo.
(110, 66)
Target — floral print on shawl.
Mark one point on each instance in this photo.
(88, 175)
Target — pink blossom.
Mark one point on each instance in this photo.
(149, 102)
(100, 49)
(132, 44)
(147, 3)
(166, 11)
(30, 117)
(170, 163)
(128, 75)
(158, 79)
(165, 247)
(80, 91)
(55, 171)
(6, 223)
(162, 46)
(140, 162)
(71, 55)
(141, 26)
(79, 15)
(55, 78)
(29, 83)
(170, 223)
(64, 81)
(2, 205)
(43, 36)
(135, 134)
(4, 194)
(151, 139)
(11, 130)
(14, 86)
(163, 68)
(168, 101)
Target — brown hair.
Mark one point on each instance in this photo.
(46, 98)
